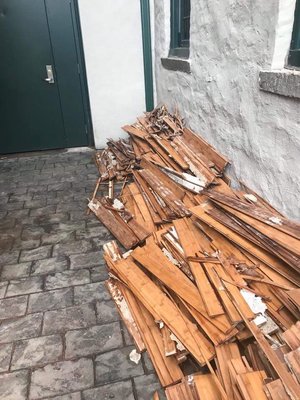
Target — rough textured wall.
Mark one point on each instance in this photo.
(231, 41)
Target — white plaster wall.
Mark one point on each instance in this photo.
(112, 41)
(231, 41)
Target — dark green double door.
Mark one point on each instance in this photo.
(42, 89)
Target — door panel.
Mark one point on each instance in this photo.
(30, 114)
(61, 21)
(34, 114)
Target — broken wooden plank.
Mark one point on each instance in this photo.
(113, 287)
(267, 217)
(161, 307)
(121, 231)
(191, 247)
(167, 368)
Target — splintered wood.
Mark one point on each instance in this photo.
(210, 286)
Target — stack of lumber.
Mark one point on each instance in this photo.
(209, 285)
(116, 161)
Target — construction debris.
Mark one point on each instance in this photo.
(210, 282)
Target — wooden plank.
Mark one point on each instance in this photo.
(276, 390)
(251, 234)
(164, 179)
(114, 288)
(181, 391)
(283, 239)
(162, 308)
(234, 291)
(225, 353)
(151, 258)
(121, 231)
(157, 213)
(201, 146)
(292, 336)
(166, 367)
(215, 330)
(255, 236)
(294, 295)
(196, 165)
(156, 396)
(191, 247)
(207, 388)
(292, 388)
(139, 230)
(267, 258)
(251, 385)
(169, 344)
(267, 217)
(231, 311)
(166, 146)
(168, 162)
(293, 361)
(229, 254)
(141, 206)
(135, 131)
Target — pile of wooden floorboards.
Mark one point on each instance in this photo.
(209, 284)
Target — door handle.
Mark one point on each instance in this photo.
(50, 76)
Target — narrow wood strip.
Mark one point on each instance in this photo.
(283, 224)
(166, 367)
(191, 248)
(114, 289)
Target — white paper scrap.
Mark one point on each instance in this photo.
(135, 356)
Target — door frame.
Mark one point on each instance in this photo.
(147, 53)
(82, 75)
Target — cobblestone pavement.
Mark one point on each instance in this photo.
(60, 335)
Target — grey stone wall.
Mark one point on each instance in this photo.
(231, 42)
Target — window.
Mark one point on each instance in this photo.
(180, 28)
(294, 56)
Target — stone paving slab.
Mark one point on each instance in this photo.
(22, 286)
(49, 266)
(70, 396)
(69, 318)
(13, 307)
(79, 261)
(5, 356)
(106, 312)
(15, 271)
(61, 378)
(116, 365)
(36, 254)
(92, 292)
(99, 274)
(37, 351)
(97, 339)
(146, 385)
(116, 391)
(67, 278)
(13, 386)
(61, 337)
(20, 328)
(52, 300)
(3, 286)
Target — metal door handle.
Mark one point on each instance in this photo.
(50, 76)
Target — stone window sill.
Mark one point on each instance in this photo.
(283, 82)
(176, 64)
